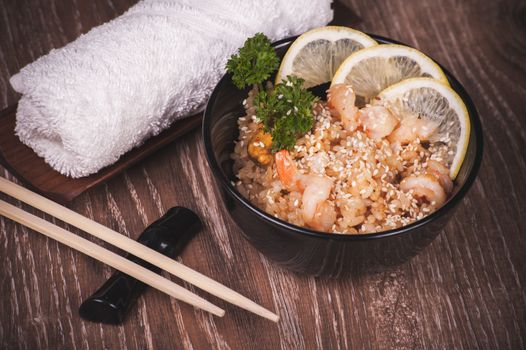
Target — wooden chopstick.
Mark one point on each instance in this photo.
(127, 244)
(107, 257)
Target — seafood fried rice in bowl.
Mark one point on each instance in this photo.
(361, 187)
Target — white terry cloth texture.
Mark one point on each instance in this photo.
(89, 102)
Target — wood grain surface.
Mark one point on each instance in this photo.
(465, 291)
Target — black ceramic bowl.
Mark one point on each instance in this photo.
(304, 250)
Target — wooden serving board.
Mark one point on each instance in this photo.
(31, 169)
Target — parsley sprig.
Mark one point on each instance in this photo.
(286, 110)
(254, 63)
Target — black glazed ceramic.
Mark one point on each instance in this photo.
(304, 250)
(168, 235)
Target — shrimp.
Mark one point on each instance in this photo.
(411, 128)
(316, 191)
(323, 218)
(353, 211)
(426, 186)
(341, 99)
(287, 172)
(315, 210)
(441, 172)
(377, 121)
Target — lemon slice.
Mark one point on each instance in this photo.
(429, 98)
(371, 70)
(316, 54)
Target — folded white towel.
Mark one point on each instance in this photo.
(88, 103)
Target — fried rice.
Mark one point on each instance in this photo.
(366, 174)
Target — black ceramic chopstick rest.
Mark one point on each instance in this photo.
(169, 235)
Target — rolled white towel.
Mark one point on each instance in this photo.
(86, 104)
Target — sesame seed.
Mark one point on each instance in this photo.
(352, 160)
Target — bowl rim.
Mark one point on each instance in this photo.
(225, 183)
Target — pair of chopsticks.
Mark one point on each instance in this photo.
(127, 244)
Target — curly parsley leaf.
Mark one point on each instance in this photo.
(286, 112)
(254, 62)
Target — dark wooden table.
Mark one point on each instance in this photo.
(464, 291)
